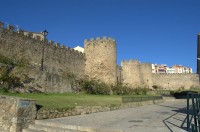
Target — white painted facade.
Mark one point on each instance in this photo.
(80, 49)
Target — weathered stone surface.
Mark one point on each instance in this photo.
(16, 113)
(61, 65)
(100, 61)
(136, 74)
(64, 66)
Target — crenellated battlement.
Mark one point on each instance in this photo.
(130, 62)
(38, 37)
(147, 65)
(50, 62)
(97, 62)
(30, 35)
(99, 41)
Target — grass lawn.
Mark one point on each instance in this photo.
(70, 100)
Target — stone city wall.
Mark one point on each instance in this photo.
(63, 66)
(135, 74)
(16, 113)
(175, 81)
(60, 62)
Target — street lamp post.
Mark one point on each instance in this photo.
(168, 86)
(44, 33)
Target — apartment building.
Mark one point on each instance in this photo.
(163, 68)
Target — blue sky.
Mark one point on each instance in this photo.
(156, 31)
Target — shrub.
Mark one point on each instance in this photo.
(4, 90)
(6, 60)
(121, 89)
(10, 81)
(94, 87)
(140, 91)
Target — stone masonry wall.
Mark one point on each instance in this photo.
(63, 66)
(175, 81)
(131, 73)
(16, 113)
(146, 73)
(135, 74)
(59, 61)
(100, 62)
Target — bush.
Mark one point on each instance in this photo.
(10, 81)
(7, 80)
(6, 60)
(94, 87)
(121, 89)
(3, 90)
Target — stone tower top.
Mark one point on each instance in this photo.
(134, 62)
(98, 41)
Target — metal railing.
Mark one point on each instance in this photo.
(139, 99)
(193, 115)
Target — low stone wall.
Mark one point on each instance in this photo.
(16, 113)
(81, 110)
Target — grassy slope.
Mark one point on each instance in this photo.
(70, 100)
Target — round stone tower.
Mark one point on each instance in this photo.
(100, 61)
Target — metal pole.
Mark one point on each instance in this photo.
(194, 111)
(188, 111)
(44, 33)
(198, 55)
(42, 60)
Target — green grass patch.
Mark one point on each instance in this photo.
(70, 100)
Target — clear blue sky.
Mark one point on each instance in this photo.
(156, 31)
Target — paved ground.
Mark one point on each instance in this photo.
(164, 117)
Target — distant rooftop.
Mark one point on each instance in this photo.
(80, 49)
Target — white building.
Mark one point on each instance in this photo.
(170, 70)
(80, 49)
(163, 68)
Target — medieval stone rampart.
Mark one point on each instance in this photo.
(25, 45)
(136, 74)
(175, 81)
(59, 61)
(63, 65)
(100, 64)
